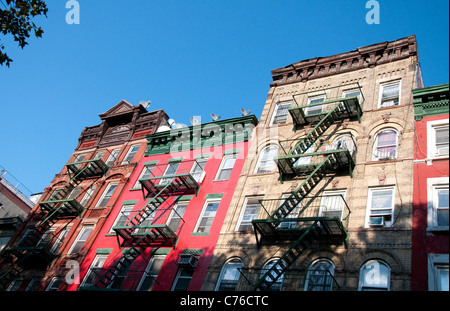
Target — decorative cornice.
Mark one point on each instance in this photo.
(364, 57)
(431, 101)
(208, 134)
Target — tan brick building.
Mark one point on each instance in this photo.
(324, 200)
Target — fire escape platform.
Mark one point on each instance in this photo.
(63, 208)
(178, 182)
(161, 235)
(267, 231)
(87, 168)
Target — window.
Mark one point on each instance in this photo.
(81, 239)
(99, 155)
(123, 216)
(277, 284)
(209, 212)
(293, 214)
(438, 272)
(229, 275)
(131, 153)
(176, 216)
(170, 170)
(320, 276)
(332, 204)
(389, 94)
(146, 173)
(87, 196)
(385, 145)
(316, 108)
(380, 207)
(266, 162)
(352, 93)
(182, 279)
(197, 171)
(107, 194)
(226, 167)
(94, 270)
(438, 203)
(112, 157)
(250, 212)
(79, 158)
(437, 137)
(59, 241)
(374, 275)
(151, 273)
(281, 113)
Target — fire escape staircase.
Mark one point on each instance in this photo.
(32, 251)
(140, 236)
(308, 230)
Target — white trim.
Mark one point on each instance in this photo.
(82, 231)
(277, 106)
(431, 138)
(125, 161)
(203, 212)
(261, 154)
(223, 163)
(242, 213)
(105, 192)
(223, 270)
(375, 143)
(389, 83)
(369, 205)
(148, 268)
(432, 183)
(435, 260)
(374, 271)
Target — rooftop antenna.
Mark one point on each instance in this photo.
(144, 103)
(245, 112)
(215, 117)
(175, 125)
(195, 121)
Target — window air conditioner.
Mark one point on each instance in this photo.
(188, 261)
(376, 221)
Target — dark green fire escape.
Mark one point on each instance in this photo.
(137, 233)
(33, 250)
(310, 160)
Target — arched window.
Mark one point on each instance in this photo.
(385, 145)
(265, 161)
(276, 286)
(229, 275)
(374, 275)
(320, 276)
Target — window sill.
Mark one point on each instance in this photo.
(199, 233)
(438, 229)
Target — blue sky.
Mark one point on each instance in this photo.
(188, 57)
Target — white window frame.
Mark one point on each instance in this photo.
(105, 192)
(436, 262)
(431, 138)
(369, 208)
(196, 164)
(376, 263)
(125, 211)
(260, 159)
(165, 181)
(279, 282)
(80, 234)
(87, 196)
(113, 156)
(332, 193)
(224, 159)
(178, 277)
(145, 169)
(313, 98)
(243, 210)
(148, 270)
(130, 151)
(346, 93)
(174, 214)
(375, 148)
(100, 258)
(208, 201)
(317, 271)
(283, 116)
(386, 84)
(235, 261)
(434, 184)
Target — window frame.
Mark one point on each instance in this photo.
(98, 258)
(107, 189)
(277, 109)
(311, 270)
(229, 263)
(222, 164)
(260, 159)
(78, 239)
(387, 84)
(434, 184)
(130, 151)
(361, 284)
(153, 275)
(313, 98)
(369, 214)
(144, 171)
(375, 147)
(243, 210)
(202, 215)
(432, 126)
(179, 276)
(436, 262)
(198, 163)
(266, 267)
(175, 215)
(113, 158)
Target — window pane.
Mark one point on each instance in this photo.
(442, 135)
(281, 113)
(387, 139)
(390, 90)
(208, 217)
(375, 276)
(251, 211)
(382, 199)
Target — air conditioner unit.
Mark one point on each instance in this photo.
(188, 260)
(376, 221)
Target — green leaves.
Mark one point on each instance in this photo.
(15, 19)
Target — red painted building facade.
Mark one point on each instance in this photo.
(430, 236)
(161, 233)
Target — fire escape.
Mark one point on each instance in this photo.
(310, 159)
(34, 249)
(144, 228)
